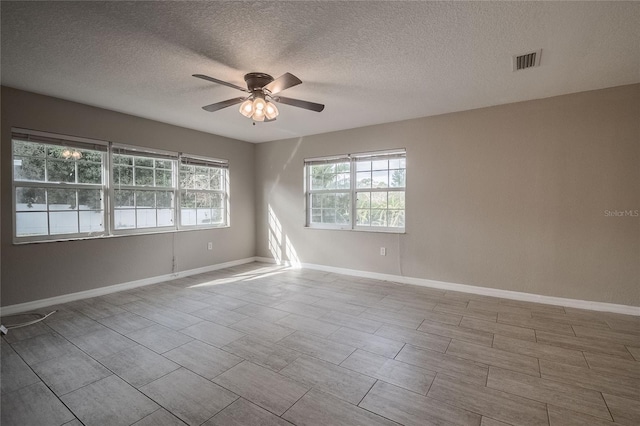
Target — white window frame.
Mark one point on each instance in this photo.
(353, 191)
(25, 135)
(107, 186)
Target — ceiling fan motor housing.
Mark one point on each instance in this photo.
(257, 80)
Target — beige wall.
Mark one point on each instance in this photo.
(38, 271)
(510, 197)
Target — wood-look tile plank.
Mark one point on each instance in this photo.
(303, 309)
(583, 344)
(415, 338)
(487, 421)
(572, 319)
(318, 408)
(499, 308)
(471, 371)
(580, 376)
(548, 391)
(613, 365)
(411, 409)
(338, 381)
(318, 347)
(219, 316)
(308, 325)
(454, 332)
(260, 312)
(618, 337)
(244, 413)
(496, 357)
(355, 322)
(634, 351)
(369, 342)
(562, 417)
(263, 387)
(536, 323)
(203, 359)
(625, 411)
(498, 328)
(407, 376)
(262, 352)
(464, 311)
(392, 317)
(489, 402)
(263, 330)
(540, 350)
(343, 307)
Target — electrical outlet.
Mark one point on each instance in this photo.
(209, 246)
(383, 251)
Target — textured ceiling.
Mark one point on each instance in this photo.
(369, 62)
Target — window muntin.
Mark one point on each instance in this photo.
(64, 187)
(58, 188)
(357, 191)
(203, 192)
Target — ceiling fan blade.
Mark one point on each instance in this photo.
(220, 105)
(312, 106)
(283, 82)
(215, 80)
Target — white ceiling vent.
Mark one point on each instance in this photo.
(527, 60)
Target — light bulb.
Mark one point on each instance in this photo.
(258, 115)
(271, 111)
(259, 104)
(76, 155)
(66, 153)
(246, 108)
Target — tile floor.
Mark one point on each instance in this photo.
(264, 345)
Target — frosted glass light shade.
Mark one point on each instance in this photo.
(271, 111)
(258, 115)
(246, 108)
(259, 104)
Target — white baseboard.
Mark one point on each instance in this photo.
(464, 288)
(101, 291)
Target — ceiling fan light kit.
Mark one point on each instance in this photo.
(260, 104)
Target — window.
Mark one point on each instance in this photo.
(58, 187)
(143, 189)
(203, 192)
(357, 191)
(68, 188)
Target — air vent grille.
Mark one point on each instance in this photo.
(528, 60)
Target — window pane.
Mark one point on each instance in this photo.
(143, 162)
(343, 201)
(217, 216)
(163, 178)
(143, 176)
(316, 215)
(163, 164)
(380, 165)
(164, 199)
(203, 200)
(25, 168)
(204, 216)
(186, 177)
(216, 201)
(165, 217)
(90, 199)
(316, 201)
(378, 217)
(123, 175)
(396, 200)
(145, 199)
(124, 198)
(201, 178)
(363, 200)
(378, 200)
(328, 216)
(363, 217)
(216, 179)
(397, 178)
(31, 223)
(125, 219)
(363, 180)
(28, 149)
(342, 216)
(380, 179)
(396, 218)
(63, 222)
(61, 170)
(62, 199)
(89, 172)
(187, 199)
(31, 199)
(91, 221)
(146, 218)
(343, 181)
(187, 217)
(363, 166)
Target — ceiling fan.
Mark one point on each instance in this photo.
(262, 90)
